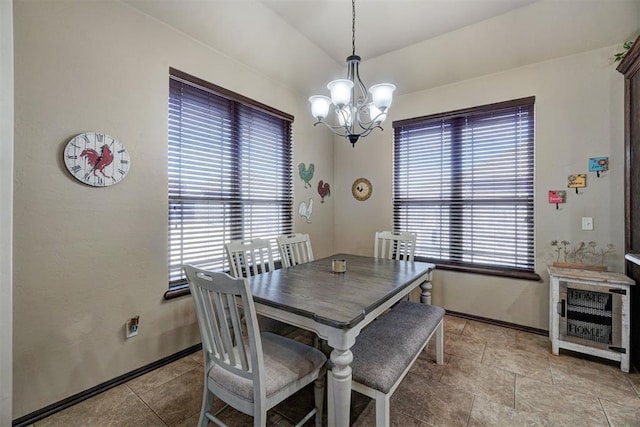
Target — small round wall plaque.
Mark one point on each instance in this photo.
(361, 189)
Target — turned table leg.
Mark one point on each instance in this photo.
(426, 286)
(340, 386)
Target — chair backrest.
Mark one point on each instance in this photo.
(398, 245)
(230, 339)
(294, 249)
(249, 258)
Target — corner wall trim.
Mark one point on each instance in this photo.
(40, 414)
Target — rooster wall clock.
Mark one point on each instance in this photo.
(96, 159)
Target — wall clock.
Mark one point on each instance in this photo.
(361, 189)
(96, 159)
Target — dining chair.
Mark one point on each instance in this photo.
(250, 258)
(294, 249)
(248, 370)
(399, 245)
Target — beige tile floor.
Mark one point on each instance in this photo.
(492, 376)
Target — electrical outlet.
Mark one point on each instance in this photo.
(132, 326)
(587, 223)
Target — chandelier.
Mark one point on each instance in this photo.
(357, 113)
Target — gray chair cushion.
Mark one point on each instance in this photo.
(384, 350)
(285, 362)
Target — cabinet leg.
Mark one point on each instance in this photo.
(624, 363)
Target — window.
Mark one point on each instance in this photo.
(463, 181)
(230, 173)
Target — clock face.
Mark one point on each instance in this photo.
(361, 189)
(96, 159)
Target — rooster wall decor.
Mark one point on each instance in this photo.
(306, 174)
(305, 210)
(323, 190)
(96, 159)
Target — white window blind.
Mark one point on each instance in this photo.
(230, 173)
(464, 181)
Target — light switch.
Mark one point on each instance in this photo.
(587, 223)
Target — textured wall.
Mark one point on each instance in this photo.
(86, 259)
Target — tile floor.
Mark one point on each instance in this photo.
(492, 376)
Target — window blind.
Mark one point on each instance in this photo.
(230, 175)
(464, 182)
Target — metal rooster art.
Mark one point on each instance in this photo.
(306, 174)
(305, 210)
(323, 190)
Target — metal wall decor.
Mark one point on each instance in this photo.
(305, 210)
(306, 174)
(557, 197)
(578, 180)
(324, 190)
(361, 189)
(598, 165)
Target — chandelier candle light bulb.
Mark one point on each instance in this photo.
(382, 95)
(320, 106)
(357, 113)
(340, 92)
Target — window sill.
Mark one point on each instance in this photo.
(487, 271)
(177, 291)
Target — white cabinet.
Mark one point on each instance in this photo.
(589, 313)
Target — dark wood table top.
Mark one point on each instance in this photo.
(336, 299)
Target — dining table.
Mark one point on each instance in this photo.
(338, 305)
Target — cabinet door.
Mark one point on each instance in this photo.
(633, 157)
(590, 315)
(630, 67)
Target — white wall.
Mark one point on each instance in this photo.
(86, 259)
(6, 211)
(579, 114)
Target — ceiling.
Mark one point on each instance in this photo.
(415, 44)
(382, 26)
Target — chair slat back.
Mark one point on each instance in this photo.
(229, 339)
(249, 258)
(294, 249)
(399, 245)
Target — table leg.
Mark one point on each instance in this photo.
(341, 387)
(426, 286)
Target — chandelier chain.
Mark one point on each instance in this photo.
(353, 27)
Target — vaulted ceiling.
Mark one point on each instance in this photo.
(416, 44)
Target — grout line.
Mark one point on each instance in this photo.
(146, 404)
(473, 402)
(445, 365)
(515, 388)
(553, 377)
(633, 387)
(484, 352)
(604, 412)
